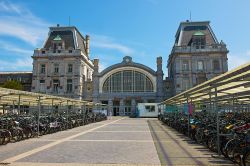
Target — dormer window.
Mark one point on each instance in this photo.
(57, 44)
(199, 40)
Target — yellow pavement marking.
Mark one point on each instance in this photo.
(137, 141)
(101, 140)
(25, 154)
(122, 131)
(75, 164)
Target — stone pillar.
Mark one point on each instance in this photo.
(159, 80)
(121, 107)
(133, 107)
(110, 107)
(96, 80)
(87, 44)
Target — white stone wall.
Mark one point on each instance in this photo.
(80, 66)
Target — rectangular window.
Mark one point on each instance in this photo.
(42, 69)
(150, 108)
(185, 65)
(200, 65)
(55, 86)
(70, 68)
(42, 86)
(56, 68)
(69, 85)
(185, 84)
(216, 65)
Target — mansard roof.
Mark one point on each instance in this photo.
(187, 29)
(127, 62)
(70, 35)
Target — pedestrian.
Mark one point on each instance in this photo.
(110, 115)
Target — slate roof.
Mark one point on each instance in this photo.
(187, 29)
(70, 35)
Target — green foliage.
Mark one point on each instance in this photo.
(12, 84)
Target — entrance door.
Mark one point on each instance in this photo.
(127, 111)
(116, 111)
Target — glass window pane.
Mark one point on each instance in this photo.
(200, 65)
(127, 81)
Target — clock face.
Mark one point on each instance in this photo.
(127, 60)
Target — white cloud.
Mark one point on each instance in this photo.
(106, 42)
(10, 47)
(17, 21)
(235, 60)
(102, 66)
(18, 64)
(5, 6)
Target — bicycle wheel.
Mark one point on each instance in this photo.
(237, 152)
(1, 139)
(246, 159)
(229, 148)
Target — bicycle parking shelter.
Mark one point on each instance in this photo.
(11, 98)
(227, 92)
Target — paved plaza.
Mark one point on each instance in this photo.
(120, 141)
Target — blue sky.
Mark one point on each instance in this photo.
(143, 29)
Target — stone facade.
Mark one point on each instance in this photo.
(196, 56)
(125, 84)
(62, 66)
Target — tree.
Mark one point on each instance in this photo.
(12, 84)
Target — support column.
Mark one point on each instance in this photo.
(38, 119)
(13, 106)
(110, 107)
(121, 108)
(3, 109)
(52, 106)
(67, 114)
(133, 107)
(83, 113)
(217, 120)
(19, 100)
(29, 108)
(188, 118)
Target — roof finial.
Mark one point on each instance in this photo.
(69, 20)
(190, 16)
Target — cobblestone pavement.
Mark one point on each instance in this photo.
(116, 142)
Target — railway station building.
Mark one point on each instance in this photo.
(63, 67)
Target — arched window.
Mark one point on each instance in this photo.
(127, 81)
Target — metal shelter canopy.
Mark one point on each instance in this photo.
(232, 85)
(10, 96)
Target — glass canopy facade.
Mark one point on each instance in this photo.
(127, 81)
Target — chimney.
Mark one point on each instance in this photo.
(96, 66)
(96, 62)
(87, 44)
(159, 63)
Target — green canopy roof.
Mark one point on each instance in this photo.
(198, 33)
(57, 38)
